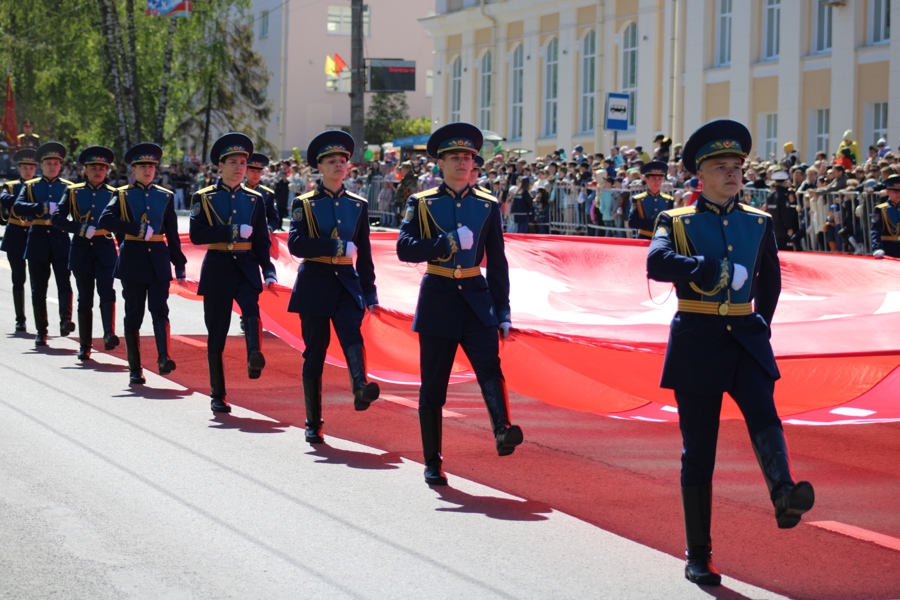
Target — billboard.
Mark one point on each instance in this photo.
(392, 75)
(168, 8)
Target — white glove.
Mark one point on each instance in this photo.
(740, 277)
(878, 254)
(90, 231)
(372, 308)
(51, 208)
(270, 281)
(246, 231)
(466, 237)
(504, 329)
(350, 249)
(149, 233)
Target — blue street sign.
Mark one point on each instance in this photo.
(616, 112)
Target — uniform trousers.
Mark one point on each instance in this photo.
(316, 330)
(436, 355)
(39, 271)
(19, 270)
(85, 281)
(217, 314)
(698, 417)
(155, 295)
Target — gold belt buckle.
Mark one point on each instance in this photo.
(334, 260)
(723, 309)
(457, 272)
(229, 246)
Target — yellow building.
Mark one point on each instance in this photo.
(538, 71)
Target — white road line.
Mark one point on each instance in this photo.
(858, 533)
(414, 404)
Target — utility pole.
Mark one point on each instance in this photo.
(357, 80)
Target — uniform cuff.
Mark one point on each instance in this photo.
(371, 299)
(504, 316)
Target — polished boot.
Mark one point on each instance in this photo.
(108, 319)
(430, 422)
(161, 333)
(364, 393)
(697, 503)
(40, 321)
(66, 326)
(85, 331)
(133, 348)
(19, 304)
(253, 336)
(217, 383)
(790, 499)
(497, 401)
(312, 397)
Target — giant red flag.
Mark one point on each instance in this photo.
(9, 114)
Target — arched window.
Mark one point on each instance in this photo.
(516, 93)
(588, 82)
(484, 97)
(551, 87)
(630, 69)
(455, 90)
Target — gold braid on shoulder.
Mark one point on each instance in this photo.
(683, 247)
(425, 219)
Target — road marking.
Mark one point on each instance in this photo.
(858, 533)
(415, 404)
(189, 341)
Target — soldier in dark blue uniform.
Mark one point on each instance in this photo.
(721, 256)
(231, 219)
(28, 139)
(92, 257)
(886, 222)
(256, 166)
(453, 228)
(17, 231)
(144, 215)
(47, 246)
(646, 206)
(329, 226)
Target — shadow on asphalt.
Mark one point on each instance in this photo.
(246, 424)
(492, 507)
(150, 393)
(355, 460)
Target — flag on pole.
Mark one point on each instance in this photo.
(9, 114)
(329, 66)
(339, 64)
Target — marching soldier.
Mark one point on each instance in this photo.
(47, 246)
(785, 220)
(721, 256)
(646, 206)
(231, 219)
(329, 226)
(453, 228)
(886, 222)
(256, 166)
(28, 139)
(17, 231)
(144, 214)
(92, 257)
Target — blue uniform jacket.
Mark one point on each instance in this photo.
(16, 235)
(696, 248)
(522, 207)
(644, 210)
(268, 194)
(85, 203)
(132, 209)
(217, 213)
(428, 234)
(886, 229)
(322, 222)
(45, 242)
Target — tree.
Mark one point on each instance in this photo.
(385, 110)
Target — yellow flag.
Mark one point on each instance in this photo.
(329, 66)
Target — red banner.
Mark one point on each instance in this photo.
(9, 124)
(590, 331)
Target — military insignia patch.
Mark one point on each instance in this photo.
(409, 214)
(297, 215)
(661, 232)
(195, 209)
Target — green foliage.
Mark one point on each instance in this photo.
(412, 127)
(386, 111)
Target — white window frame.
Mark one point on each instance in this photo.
(516, 92)
(822, 130)
(823, 20)
(723, 32)
(770, 44)
(551, 87)
(338, 83)
(768, 124)
(587, 101)
(879, 22)
(429, 83)
(486, 89)
(455, 88)
(340, 20)
(880, 117)
(630, 63)
(263, 24)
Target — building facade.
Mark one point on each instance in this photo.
(295, 36)
(538, 71)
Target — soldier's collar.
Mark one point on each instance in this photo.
(48, 180)
(447, 190)
(141, 186)
(324, 190)
(704, 204)
(221, 185)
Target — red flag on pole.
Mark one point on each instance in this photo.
(9, 114)
(339, 64)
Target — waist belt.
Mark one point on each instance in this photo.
(715, 308)
(884, 238)
(456, 273)
(645, 232)
(231, 246)
(331, 260)
(44, 222)
(101, 232)
(156, 237)
(19, 222)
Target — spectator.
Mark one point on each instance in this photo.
(847, 142)
(522, 206)
(282, 191)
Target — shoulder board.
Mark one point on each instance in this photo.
(206, 190)
(249, 191)
(66, 181)
(307, 195)
(751, 210)
(162, 189)
(266, 188)
(485, 195)
(21, 135)
(357, 197)
(639, 196)
(881, 206)
(76, 186)
(124, 188)
(666, 196)
(425, 193)
(680, 212)
(32, 181)
(109, 188)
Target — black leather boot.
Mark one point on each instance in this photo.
(431, 425)
(253, 336)
(790, 499)
(85, 331)
(161, 333)
(133, 348)
(312, 397)
(364, 393)
(496, 399)
(19, 304)
(108, 319)
(217, 384)
(66, 326)
(697, 504)
(39, 306)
